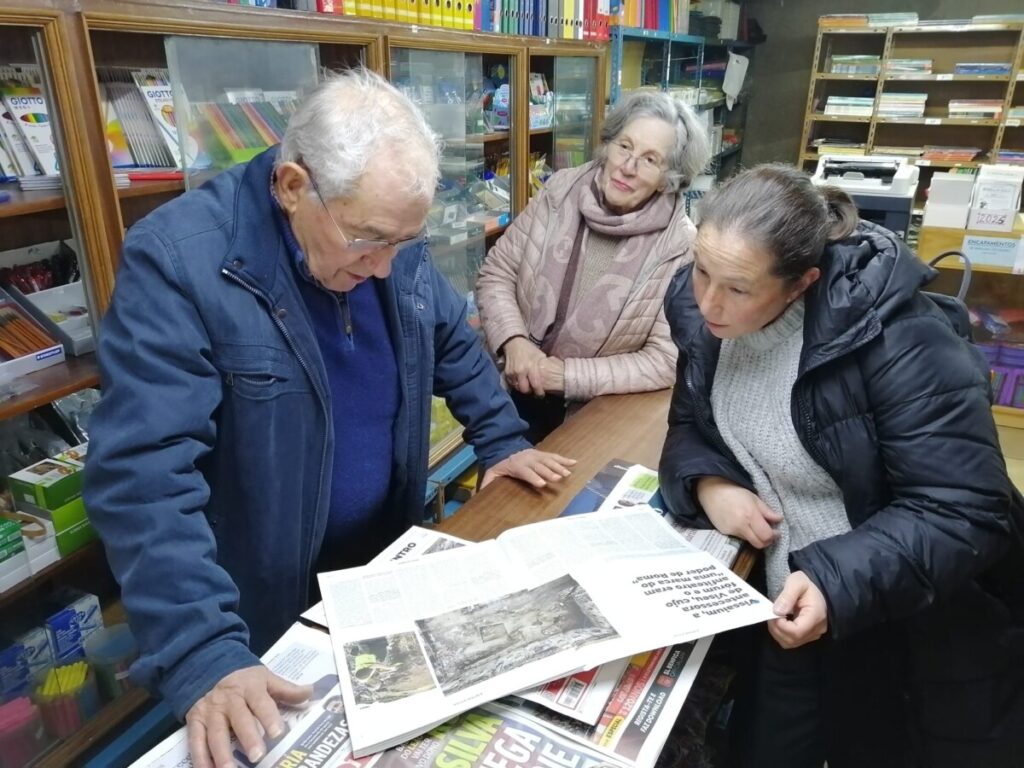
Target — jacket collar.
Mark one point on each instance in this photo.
(249, 256)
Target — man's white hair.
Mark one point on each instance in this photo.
(349, 119)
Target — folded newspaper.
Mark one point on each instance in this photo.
(419, 643)
(317, 736)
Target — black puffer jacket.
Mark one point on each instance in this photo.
(895, 406)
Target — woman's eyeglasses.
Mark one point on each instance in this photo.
(621, 153)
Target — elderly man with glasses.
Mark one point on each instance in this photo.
(268, 362)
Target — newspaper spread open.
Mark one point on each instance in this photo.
(420, 643)
(582, 695)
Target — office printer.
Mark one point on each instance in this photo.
(883, 187)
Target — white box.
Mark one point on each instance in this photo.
(996, 198)
(34, 361)
(949, 200)
(67, 301)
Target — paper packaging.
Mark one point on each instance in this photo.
(75, 330)
(23, 660)
(75, 455)
(71, 625)
(48, 484)
(63, 530)
(996, 198)
(14, 563)
(34, 361)
(949, 200)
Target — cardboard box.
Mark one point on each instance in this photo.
(49, 484)
(14, 564)
(67, 529)
(71, 625)
(75, 455)
(42, 357)
(63, 312)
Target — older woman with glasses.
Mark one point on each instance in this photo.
(571, 295)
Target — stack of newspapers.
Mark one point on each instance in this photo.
(568, 643)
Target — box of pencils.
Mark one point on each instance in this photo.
(67, 698)
(24, 346)
(22, 736)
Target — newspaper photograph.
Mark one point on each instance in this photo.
(316, 734)
(539, 602)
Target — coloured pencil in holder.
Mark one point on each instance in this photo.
(111, 651)
(22, 736)
(67, 698)
(19, 335)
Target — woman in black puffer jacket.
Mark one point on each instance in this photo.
(826, 411)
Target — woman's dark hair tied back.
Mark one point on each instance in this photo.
(842, 213)
(776, 207)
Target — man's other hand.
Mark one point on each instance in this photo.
(537, 468)
(240, 704)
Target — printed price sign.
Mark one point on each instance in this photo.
(933, 121)
(943, 77)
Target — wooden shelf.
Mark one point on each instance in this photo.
(50, 383)
(107, 721)
(948, 78)
(937, 121)
(840, 76)
(1008, 417)
(820, 117)
(865, 30)
(540, 131)
(142, 188)
(494, 229)
(22, 203)
(29, 585)
(37, 201)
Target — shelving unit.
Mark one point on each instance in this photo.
(945, 45)
(651, 58)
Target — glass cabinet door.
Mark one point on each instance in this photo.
(237, 95)
(566, 138)
(467, 99)
(54, 701)
(236, 92)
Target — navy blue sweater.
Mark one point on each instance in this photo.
(359, 357)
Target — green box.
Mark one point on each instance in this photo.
(69, 523)
(48, 484)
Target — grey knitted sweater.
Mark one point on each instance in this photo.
(751, 398)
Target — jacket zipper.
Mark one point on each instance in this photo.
(302, 362)
(702, 419)
(346, 314)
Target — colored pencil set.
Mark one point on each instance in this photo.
(22, 736)
(67, 698)
(19, 336)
